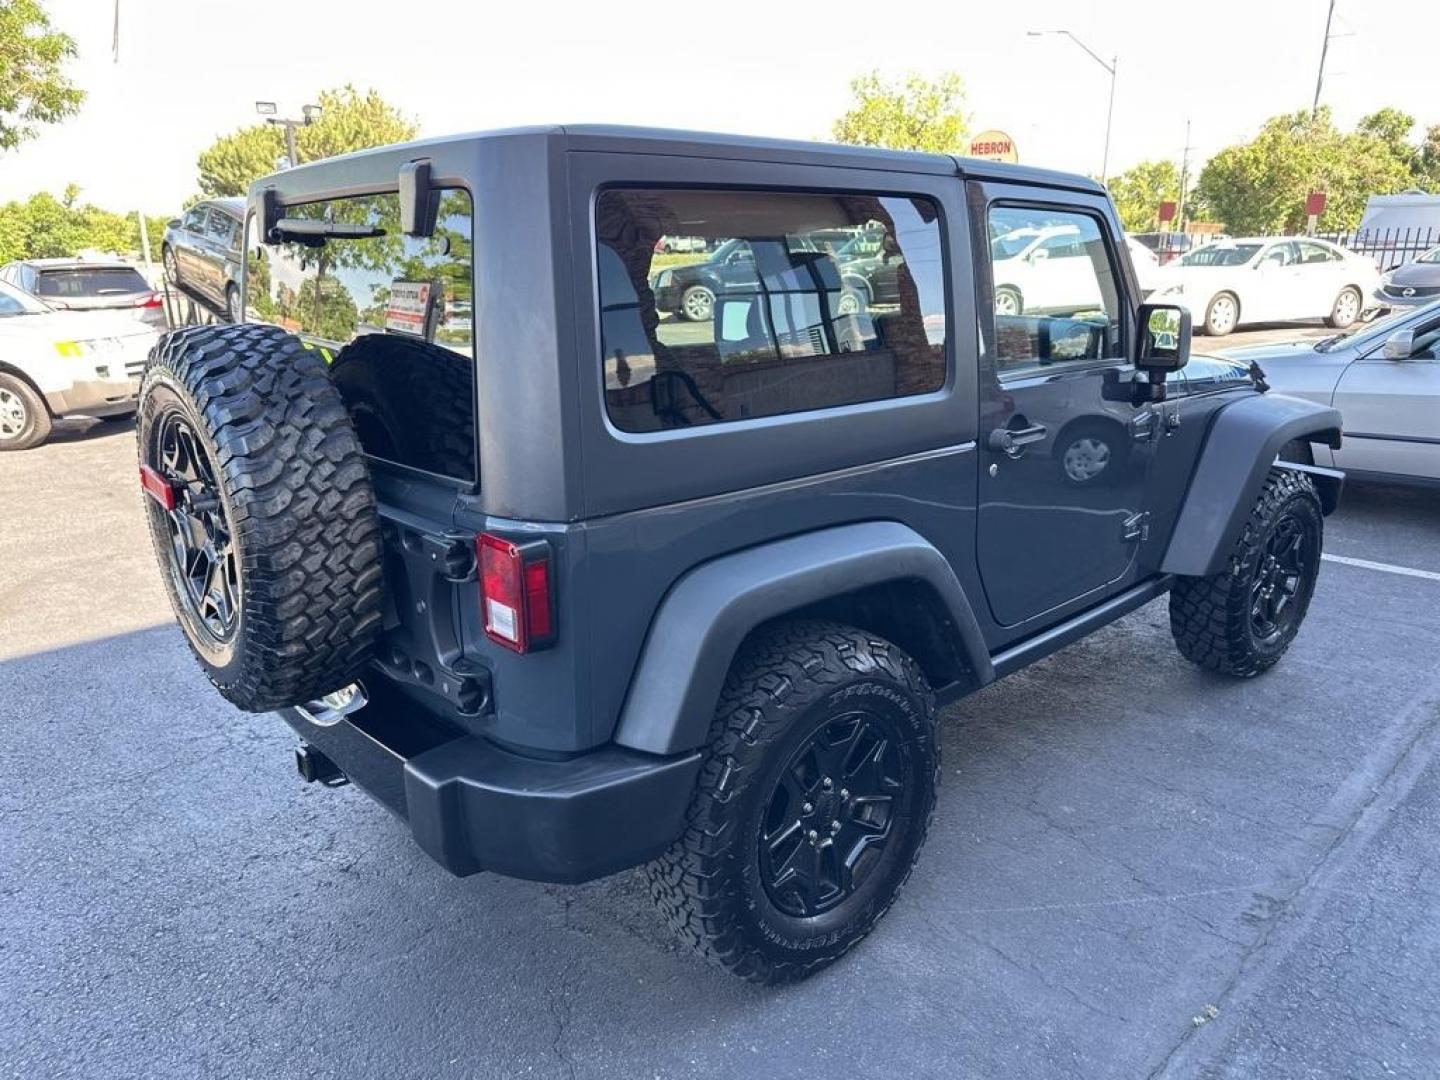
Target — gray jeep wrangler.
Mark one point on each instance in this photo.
(573, 584)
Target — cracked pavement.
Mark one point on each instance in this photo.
(1136, 869)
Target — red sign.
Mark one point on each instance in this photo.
(1315, 204)
(1167, 211)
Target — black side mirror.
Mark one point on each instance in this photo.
(419, 201)
(1164, 338)
(1164, 344)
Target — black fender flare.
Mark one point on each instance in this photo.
(708, 612)
(1240, 448)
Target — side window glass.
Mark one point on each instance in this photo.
(195, 220)
(718, 306)
(1316, 253)
(1054, 289)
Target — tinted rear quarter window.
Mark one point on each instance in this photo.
(393, 317)
(720, 306)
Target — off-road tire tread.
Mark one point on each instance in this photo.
(787, 664)
(440, 385)
(300, 502)
(1209, 616)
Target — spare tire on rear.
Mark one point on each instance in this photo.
(261, 511)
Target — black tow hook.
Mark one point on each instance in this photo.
(316, 768)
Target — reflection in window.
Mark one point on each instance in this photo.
(1054, 288)
(393, 314)
(720, 305)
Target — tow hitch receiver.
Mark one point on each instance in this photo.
(316, 768)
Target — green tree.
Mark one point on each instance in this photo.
(33, 87)
(915, 113)
(1260, 186)
(43, 226)
(1139, 191)
(349, 121)
(1427, 160)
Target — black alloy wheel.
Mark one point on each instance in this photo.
(829, 816)
(1285, 563)
(202, 562)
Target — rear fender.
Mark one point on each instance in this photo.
(1242, 446)
(708, 613)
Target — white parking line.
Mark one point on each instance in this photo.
(1388, 568)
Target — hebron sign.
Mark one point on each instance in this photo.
(994, 146)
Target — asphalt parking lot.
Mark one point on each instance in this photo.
(1136, 869)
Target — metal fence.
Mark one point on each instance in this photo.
(1388, 247)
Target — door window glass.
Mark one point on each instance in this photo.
(1054, 289)
(222, 229)
(718, 306)
(1316, 253)
(195, 220)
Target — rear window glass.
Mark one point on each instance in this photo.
(94, 282)
(392, 315)
(719, 306)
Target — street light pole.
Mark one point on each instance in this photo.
(310, 114)
(1111, 67)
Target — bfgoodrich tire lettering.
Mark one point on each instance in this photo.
(1214, 619)
(790, 683)
(295, 503)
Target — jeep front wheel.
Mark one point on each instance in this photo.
(1240, 620)
(813, 802)
(261, 513)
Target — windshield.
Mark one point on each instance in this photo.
(1377, 331)
(1220, 255)
(15, 301)
(1431, 256)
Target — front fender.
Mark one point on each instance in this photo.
(1239, 450)
(708, 613)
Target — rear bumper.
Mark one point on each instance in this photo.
(473, 806)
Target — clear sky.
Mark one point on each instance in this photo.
(190, 70)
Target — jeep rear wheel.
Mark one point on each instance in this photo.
(812, 804)
(261, 513)
(1241, 620)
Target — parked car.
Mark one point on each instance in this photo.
(201, 253)
(1384, 378)
(88, 285)
(670, 245)
(1269, 279)
(64, 363)
(689, 292)
(1414, 284)
(1146, 263)
(690, 596)
(1168, 246)
(1044, 269)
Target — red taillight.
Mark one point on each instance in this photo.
(515, 599)
(152, 301)
(157, 487)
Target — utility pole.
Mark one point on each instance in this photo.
(309, 114)
(1324, 48)
(1184, 177)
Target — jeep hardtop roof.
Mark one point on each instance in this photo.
(363, 169)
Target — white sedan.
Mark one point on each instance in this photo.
(1268, 279)
(57, 363)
